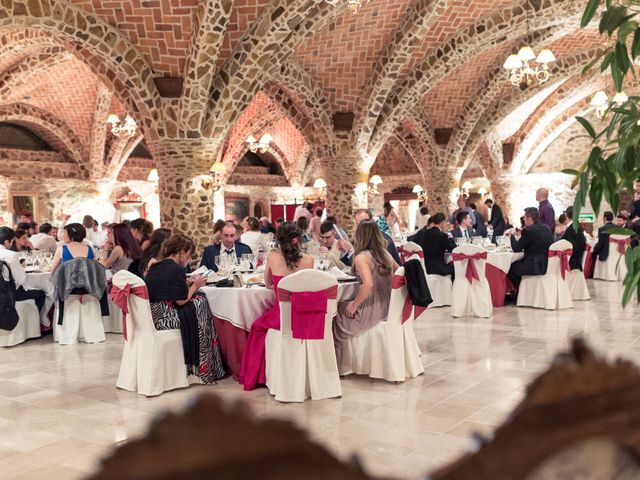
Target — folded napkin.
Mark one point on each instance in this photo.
(337, 273)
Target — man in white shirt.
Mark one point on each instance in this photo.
(304, 210)
(13, 259)
(44, 239)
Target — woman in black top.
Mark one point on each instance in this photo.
(176, 303)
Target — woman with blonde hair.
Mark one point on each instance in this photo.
(374, 267)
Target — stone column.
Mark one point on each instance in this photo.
(185, 205)
(501, 190)
(441, 189)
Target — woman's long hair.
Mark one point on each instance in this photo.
(369, 238)
(289, 238)
(145, 227)
(125, 240)
(153, 250)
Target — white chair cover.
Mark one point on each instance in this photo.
(113, 323)
(82, 321)
(549, 291)
(471, 298)
(578, 285)
(28, 325)
(389, 350)
(152, 360)
(614, 268)
(440, 286)
(299, 369)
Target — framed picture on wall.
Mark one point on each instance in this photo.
(23, 206)
(236, 208)
(130, 207)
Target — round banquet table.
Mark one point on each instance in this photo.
(235, 309)
(40, 281)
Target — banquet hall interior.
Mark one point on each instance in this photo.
(126, 115)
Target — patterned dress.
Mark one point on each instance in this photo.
(167, 283)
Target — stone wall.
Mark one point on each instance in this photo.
(523, 193)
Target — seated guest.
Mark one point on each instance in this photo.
(72, 246)
(303, 225)
(314, 225)
(177, 303)
(141, 230)
(577, 239)
(422, 217)
(374, 267)
(88, 222)
(561, 226)
(253, 237)
(360, 216)
(328, 245)
(462, 207)
(265, 226)
(621, 220)
(279, 222)
(479, 226)
(464, 228)
(125, 249)
(230, 247)
(284, 261)
(601, 249)
(21, 242)
(435, 244)
(13, 260)
(535, 241)
(151, 254)
(343, 232)
(44, 240)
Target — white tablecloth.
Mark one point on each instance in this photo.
(40, 281)
(243, 306)
(500, 260)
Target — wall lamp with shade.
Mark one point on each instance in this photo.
(153, 176)
(321, 185)
(420, 192)
(374, 183)
(259, 146)
(122, 128)
(213, 181)
(466, 186)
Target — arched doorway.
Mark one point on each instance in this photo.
(258, 211)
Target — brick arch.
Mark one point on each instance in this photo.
(266, 45)
(50, 128)
(277, 154)
(101, 46)
(18, 44)
(506, 24)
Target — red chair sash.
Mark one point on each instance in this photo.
(308, 311)
(622, 243)
(472, 271)
(564, 260)
(404, 253)
(120, 297)
(399, 281)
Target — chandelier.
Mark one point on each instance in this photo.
(374, 183)
(354, 5)
(526, 67)
(259, 146)
(122, 128)
(600, 102)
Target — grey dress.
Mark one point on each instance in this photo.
(372, 311)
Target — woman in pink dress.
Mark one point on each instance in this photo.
(286, 260)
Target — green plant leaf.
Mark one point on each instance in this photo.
(571, 171)
(617, 75)
(595, 195)
(621, 231)
(587, 126)
(635, 46)
(617, 15)
(589, 12)
(630, 287)
(607, 61)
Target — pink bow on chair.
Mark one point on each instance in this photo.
(472, 271)
(564, 260)
(398, 282)
(120, 297)
(622, 244)
(404, 254)
(308, 311)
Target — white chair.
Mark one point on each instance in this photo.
(440, 286)
(113, 322)
(549, 291)
(471, 298)
(389, 350)
(82, 321)
(152, 360)
(578, 285)
(28, 325)
(614, 268)
(299, 369)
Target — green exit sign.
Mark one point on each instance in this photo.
(586, 218)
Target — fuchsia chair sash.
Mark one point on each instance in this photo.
(120, 297)
(308, 311)
(398, 282)
(404, 254)
(472, 271)
(622, 243)
(564, 260)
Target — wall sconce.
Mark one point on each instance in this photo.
(260, 146)
(153, 176)
(122, 128)
(482, 192)
(374, 183)
(213, 181)
(601, 103)
(466, 186)
(321, 185)
(420, 192)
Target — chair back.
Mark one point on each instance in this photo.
(306, 281)
(398, 298)
(613, 246)
(139, 317)
(79, 272)
(553, 265)
(461, 265)
(409, 249)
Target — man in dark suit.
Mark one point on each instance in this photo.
(464, 229)
(435, 243)
(535, 241)
(479, 226)
(601, 250)
(347, 248)
(496, 220)
(578, 242)
(229, 246)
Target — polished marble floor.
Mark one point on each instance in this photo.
(60, 411)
